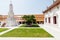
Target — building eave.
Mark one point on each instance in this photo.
(52, 6)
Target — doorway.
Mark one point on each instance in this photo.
(54, 20)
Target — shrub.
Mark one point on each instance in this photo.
(33, 25)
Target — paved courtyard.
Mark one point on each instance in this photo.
(53, 31)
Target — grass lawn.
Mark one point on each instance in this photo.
(3, 29)
(27, 32)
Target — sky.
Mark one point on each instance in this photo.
(22, 7)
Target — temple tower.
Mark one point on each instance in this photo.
(11, 21)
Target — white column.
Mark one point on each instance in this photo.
(58, 20)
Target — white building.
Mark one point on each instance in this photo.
(52, 15)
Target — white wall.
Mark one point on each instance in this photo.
(53, 12)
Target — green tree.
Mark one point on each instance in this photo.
(30, 19)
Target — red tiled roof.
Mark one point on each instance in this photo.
(38, 17)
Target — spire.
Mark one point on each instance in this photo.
(10, 2)
(11, 6)
(11, 13)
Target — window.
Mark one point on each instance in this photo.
(45, 19)
(54, 20)
(57, 7)
(49, 19)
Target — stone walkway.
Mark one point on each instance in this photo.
(9, 29)
(26, 38)
(6, 31)
(53, 31)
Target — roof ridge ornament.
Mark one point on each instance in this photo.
(54, 1)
